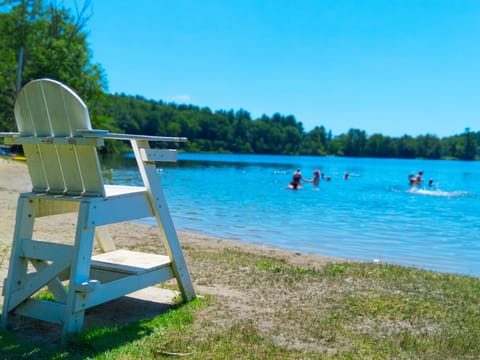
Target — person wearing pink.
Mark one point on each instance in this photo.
(315, 180)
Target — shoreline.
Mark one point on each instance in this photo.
(14, 179)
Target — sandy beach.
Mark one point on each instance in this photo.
(14, 179)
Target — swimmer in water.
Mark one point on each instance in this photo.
(418, 179)
(296, 178)
(315, 180)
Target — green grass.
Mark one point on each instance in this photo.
(337, 311)
(145, 339)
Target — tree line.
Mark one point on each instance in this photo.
(236, 132)
(41, 39)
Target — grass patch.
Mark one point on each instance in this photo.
(268, 308)
(145, 339)
(279, 266)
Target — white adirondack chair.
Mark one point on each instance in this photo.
(60, 147)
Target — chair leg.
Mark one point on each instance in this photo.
(150, 178)
(172, 245)
(104, 239)
(17, 270)
(79, 271)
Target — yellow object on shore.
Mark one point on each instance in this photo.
(19, 158)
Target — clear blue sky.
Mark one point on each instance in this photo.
(393, 67)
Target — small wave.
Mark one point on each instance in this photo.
(436, 192)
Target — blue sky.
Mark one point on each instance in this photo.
(393, 67)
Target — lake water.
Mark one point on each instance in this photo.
(372, 216)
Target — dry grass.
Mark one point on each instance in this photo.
(336, 307)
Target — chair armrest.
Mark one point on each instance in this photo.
(8, 134)
(11, 138)
(108, 135)
(83, 137)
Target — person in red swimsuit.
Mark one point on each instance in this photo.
(315, 180)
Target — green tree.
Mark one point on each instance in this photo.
(468, 146)
(53, 43)
(8, 69)
(336, 146)
(355, 143)
(241, 131)
(379, 145)
(428, 146)
(406, 147)
(315, 142)
(17, 19)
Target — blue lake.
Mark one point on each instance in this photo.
(372, 216)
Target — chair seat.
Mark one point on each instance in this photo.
(129, 262)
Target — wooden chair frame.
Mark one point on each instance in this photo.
(60, 147)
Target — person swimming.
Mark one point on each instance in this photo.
(315, 180)
(418, 178)
(415, 180)
(411, 179)
(296, 178)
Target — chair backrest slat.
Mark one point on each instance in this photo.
(70, 171)
(47, 108)
(90, 170)
(35, 168)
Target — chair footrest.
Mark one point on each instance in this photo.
(129, 262)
